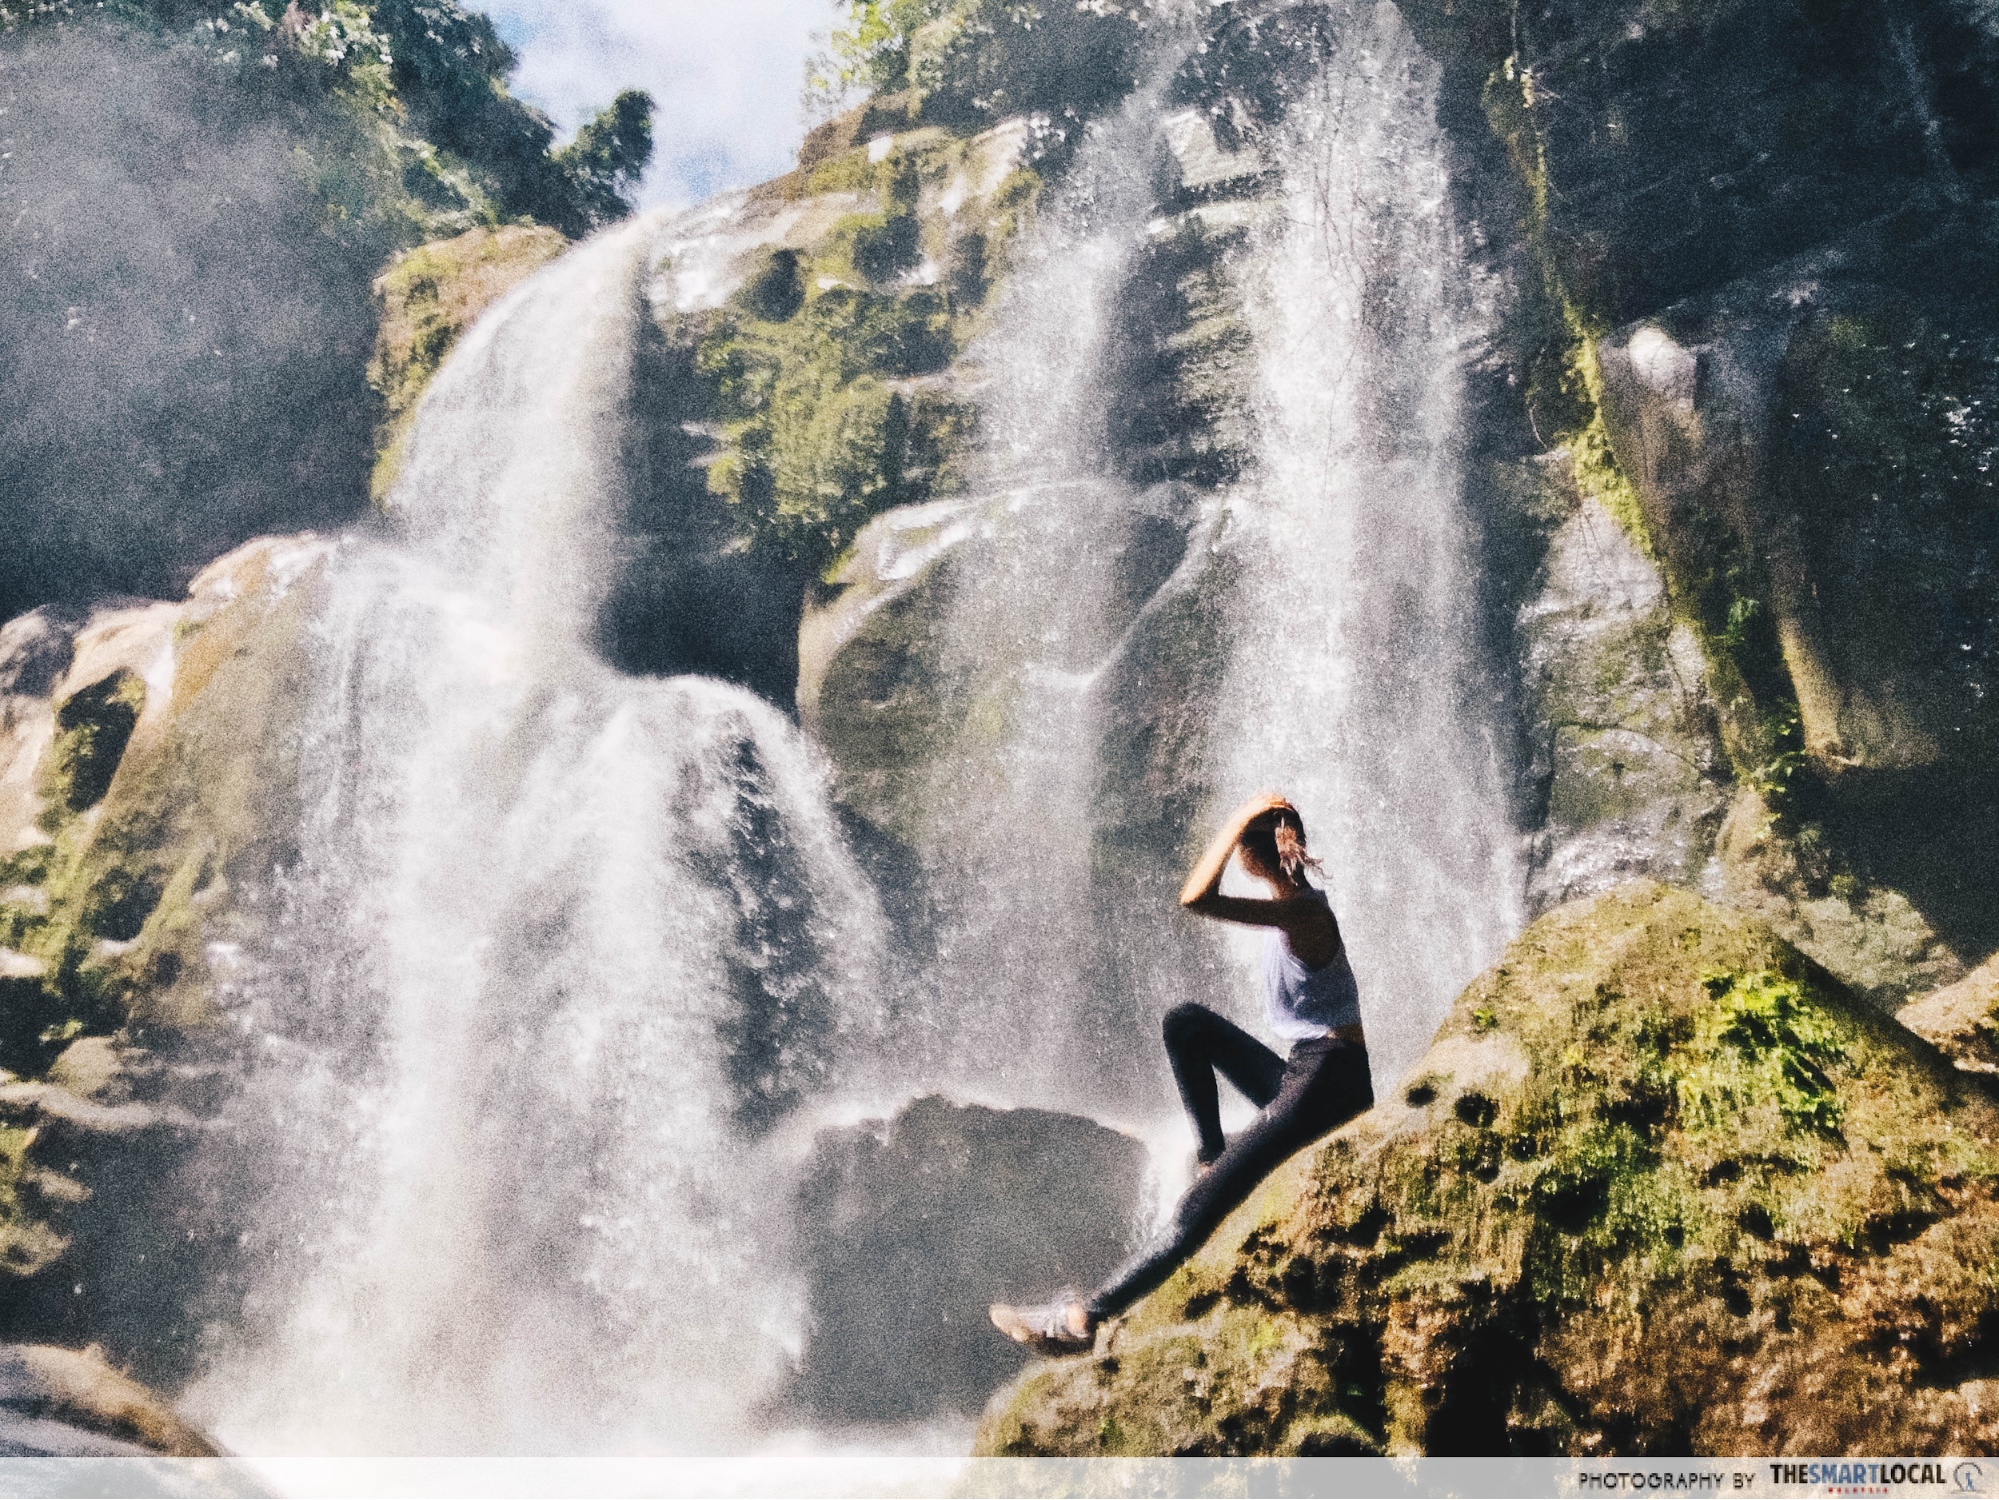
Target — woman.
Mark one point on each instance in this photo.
(1310, 1001)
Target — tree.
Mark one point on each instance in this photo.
(603, 165)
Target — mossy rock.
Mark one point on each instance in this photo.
(428, 298)
(1661, 1186)
(170, 781)
(827, 312)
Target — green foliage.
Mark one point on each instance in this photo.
(870, 48)
(819, 440)
(883, 246)
(603, 165)
(775, 291)
(406, 105)
(978, 60)
(1779, 778)
(1764, 1041)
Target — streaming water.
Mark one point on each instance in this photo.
(563, 948)
(1051, 969)
(1354, 684)
(573, 960)
(1348, 676)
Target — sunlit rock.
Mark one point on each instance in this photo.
(62, 1403)
(1622, 724)
(145, 804)
(1961, 1019)
(1661, 1186)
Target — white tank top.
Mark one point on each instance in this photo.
(1300, 1003)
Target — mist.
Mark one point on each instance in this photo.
(184, 325)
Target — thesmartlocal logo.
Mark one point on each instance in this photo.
(1880, 1476)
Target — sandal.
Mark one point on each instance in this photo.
(1046, 1329)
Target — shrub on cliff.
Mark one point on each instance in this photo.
(964, 60)
(821, 436)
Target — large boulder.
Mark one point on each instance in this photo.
(147, 798)
(871, 680)
(912, 1225)
(1661, 1186)
(1875, 939)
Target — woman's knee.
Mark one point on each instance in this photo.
(1184, 1021)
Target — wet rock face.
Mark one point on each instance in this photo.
(1621, 727)
(914, 1225)
(143, 810)
(1687, 146)
(1661, 1186)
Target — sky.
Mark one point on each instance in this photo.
(726, 74)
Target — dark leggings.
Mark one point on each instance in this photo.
(1324, 1085)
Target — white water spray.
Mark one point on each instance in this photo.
(563, 947)
(1354, 684)
(1048, 976)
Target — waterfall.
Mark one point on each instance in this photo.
(573, 962)
(564, 948)
(1053, 962)
(1354, 684)
(1344, 629)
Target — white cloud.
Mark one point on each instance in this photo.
(726, 75)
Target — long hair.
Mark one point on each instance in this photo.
(1282, 843)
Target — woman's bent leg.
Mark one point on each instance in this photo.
(1324, 1085)
(1200, 1044)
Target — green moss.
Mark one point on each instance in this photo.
(28, 867)
(93, 726)
(1764, 1041)
(820, 435)
(1650, 1145)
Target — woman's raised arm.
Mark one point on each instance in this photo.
(1304, 917)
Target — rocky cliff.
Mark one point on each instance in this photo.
(1731, 439)
(146, 752)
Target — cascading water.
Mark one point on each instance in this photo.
(1354, 683)
(573, 961)
(563, 947)
(1349, 676)
(1052, 977)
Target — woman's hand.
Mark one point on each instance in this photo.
(1204, 881)
(1260, 806)
(1304, 918)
